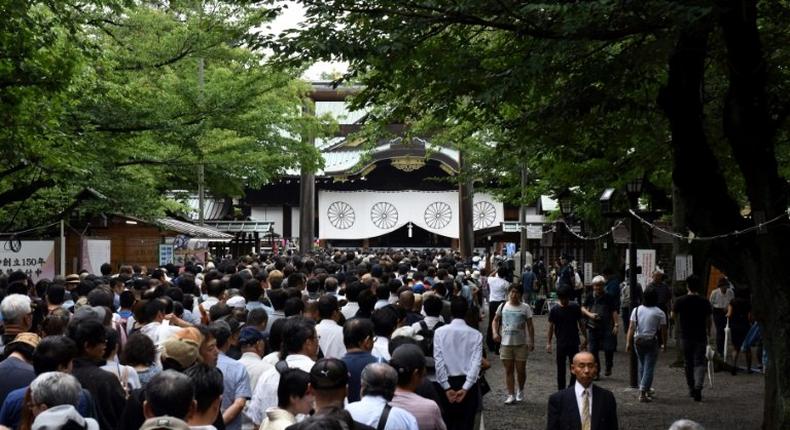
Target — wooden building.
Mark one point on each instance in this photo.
(135, 241)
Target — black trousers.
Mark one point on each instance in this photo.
(564, 359)
(492, 346)
(596, 340)
(460, 416)
(695, 366)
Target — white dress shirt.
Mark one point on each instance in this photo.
(330, 338)
(457, 350)
(369, 409)
(579, 388)
(271, 358)
(381, 348)
(721, 300)
(264, 396)
(380, 304)
(255, 366)
(350, 310)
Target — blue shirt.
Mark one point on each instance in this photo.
(14, 373)
(527, 281)
(254, 305)
(612, 287)
(236, 385)
(355, 362)
(11, 412)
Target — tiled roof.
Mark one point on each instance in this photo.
(242, 226)
(194, 231)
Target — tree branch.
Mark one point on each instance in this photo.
(24, 192)
(147, 161)
(597, 29)
(14, 169)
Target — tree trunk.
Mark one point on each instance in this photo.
(753, 259)
(751, 134)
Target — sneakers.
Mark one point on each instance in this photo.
(697, 394)
(519, 396)
(643, 397)
(510, 399)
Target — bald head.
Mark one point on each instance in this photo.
(583, 356)
(379, 379)
(584, 368)
(686, 425)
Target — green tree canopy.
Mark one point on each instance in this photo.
(591, 94)
(111, 96)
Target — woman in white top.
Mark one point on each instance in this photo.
(126, 374)
(647, 323)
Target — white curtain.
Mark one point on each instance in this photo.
(365, 213)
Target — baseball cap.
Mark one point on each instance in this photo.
(85, 312)
(31, 339)
(406, 331)
(329, 374)
(57, 417)
(165, 423)
(250, 335)
(183, 350)
(236, 302)
(407, 358)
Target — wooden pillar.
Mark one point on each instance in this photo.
(306, 211)
(287, 226)
(307, 194)
(465, 201)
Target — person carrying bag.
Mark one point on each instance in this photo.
(644, 338)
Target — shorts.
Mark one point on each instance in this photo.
(513, 352)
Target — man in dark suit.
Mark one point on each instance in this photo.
(583, 406)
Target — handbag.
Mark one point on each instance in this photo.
(644, 342)
(485, 387)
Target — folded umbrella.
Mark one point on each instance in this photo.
(726, 339)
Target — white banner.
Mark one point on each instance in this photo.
(95, 252)
(646, 259)
(363, 214)
(588, 273)
(166, 253)
(534, 231)
(34, 257)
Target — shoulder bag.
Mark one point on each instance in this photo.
(643, 342)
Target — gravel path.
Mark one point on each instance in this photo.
(735, 402)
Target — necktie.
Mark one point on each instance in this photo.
(586, 422)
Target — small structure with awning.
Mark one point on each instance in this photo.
(133, 241)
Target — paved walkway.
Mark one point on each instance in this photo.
(735, 402)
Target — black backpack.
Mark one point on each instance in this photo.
(427, 337)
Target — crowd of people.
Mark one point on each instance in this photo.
(330, 340)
